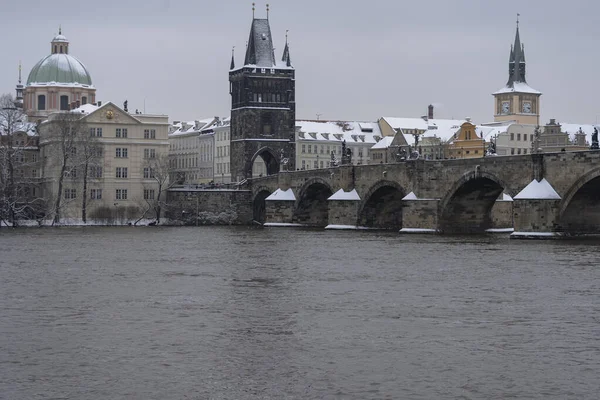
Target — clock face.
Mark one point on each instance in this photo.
(505, 107)
(109, 114)
(527, 107)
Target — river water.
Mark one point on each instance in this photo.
(242, 313)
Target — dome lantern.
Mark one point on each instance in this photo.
(60, 44)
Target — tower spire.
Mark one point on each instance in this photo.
(286, 51)
(19, 72)
(253, 9)
(232, 66)
(59, 29)
(516, 63)
(267, 10)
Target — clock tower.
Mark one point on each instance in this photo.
(517, 101)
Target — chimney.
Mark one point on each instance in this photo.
(430, 111)
(552, 121)
(99, 104)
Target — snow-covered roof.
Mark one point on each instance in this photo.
(337, 131)
(572, 129)
(435, 127)
(506, 197)
(85, 109)
(406, 123)
(519, 87)
(383, 143)
(342, 195)
(538, 190)
(181, 128)
(282, 195)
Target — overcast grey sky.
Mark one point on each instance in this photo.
(354, 59)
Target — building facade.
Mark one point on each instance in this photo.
(130, 156)
(191, 151)
(263, 108)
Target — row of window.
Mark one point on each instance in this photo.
(122, 133)
(96, 194)
(322, 149)
(512, 151)
(122, 152)
(64, 102)
(96, 172)
(512, 137)
(222, 151)
(222, 168)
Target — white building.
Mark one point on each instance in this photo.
(191, 151)
(317, 140)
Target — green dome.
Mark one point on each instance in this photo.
(59, 69)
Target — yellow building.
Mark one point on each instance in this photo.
(466, 143)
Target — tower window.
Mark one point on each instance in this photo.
(64, 101)
(41, 102)
(61, 50)
(55, 49)
(84, 100)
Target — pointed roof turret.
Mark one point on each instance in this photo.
(517, 68)
(232, 65)
(260, 45)
(517, 60)
(286, 52)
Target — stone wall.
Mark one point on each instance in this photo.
(210, 207)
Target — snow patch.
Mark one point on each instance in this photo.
(282, 224)
(538, 190)
(535, 235)
(417, 230)
(410, 196)
(505, 197)
(282, 195)
(500, 230)
(341, 195)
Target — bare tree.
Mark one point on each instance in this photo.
(63, 132)
(156, 169)
(88, 160)
(15, 175)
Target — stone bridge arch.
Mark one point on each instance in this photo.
(579, 209)
(259, 207)
(311, 208)
(381, 206)
(466, 207)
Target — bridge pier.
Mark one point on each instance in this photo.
(420, 215)
(343, 209)
(535, 218)
(536, 211)
(279, 208)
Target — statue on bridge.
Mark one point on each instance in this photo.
(334, 162)
(535, 145)
(595, 145)
(346, 154)
(283, 161)
(491, 150)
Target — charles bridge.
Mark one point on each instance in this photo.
(444, 196)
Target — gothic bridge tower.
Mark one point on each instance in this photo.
(517, 101)
(263, 108)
